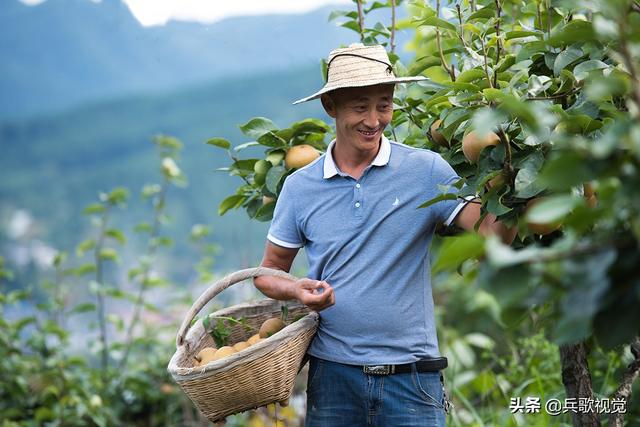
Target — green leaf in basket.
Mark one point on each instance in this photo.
(285, 312)
(245, 324)
(220, 333)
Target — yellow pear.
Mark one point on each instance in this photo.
(223, 352)
(472, 144)
(205, 356)
(254, 339)
(300, 155)
(271, 326)
(438, 138)
(241, 346)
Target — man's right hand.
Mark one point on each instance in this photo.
(315, 294)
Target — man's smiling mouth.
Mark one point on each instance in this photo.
(368, 133)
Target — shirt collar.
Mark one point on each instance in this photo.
(382, 158)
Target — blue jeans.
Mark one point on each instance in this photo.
(343, 395)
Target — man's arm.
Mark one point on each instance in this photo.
(315, 294)
(470, 214)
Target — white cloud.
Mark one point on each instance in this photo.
(159, 12)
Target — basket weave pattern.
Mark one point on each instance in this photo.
(262, 374)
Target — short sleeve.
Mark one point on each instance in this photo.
(443, 174)
(285, 229)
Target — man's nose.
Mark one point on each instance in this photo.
(371, 120)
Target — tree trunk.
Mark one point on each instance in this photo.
(577, 381)
(624, 390)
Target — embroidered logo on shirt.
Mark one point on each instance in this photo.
(396, 202)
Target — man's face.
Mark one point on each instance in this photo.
(361, 114)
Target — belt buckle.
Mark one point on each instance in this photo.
(377, 369)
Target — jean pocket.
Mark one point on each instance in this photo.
(429, 387)
(315, 369)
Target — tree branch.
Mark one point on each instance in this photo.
(626, 386)
(151, 251)
(629, 63)
(508, 168)
(100, 296)
(461, 34)
(393, 26)
(498, 44)
(361, 20)
(444, 62)
(560, 95)
(486, 65)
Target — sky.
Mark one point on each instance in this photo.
(158, 12)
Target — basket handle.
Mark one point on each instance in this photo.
(220, 286)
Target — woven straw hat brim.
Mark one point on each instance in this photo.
(369, 82)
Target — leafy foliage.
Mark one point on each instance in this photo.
(557, 83)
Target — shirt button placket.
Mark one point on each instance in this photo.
(357, 192)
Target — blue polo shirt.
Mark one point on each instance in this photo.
(368, 240)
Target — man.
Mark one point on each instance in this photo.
(375, 359)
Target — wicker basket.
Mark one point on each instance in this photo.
(261, 374)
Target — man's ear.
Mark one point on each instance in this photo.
(329, 105)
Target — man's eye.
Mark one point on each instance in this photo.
(384, 107)
(360, 108)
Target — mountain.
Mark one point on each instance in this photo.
(53, 166)
(64, 52)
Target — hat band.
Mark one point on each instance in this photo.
(389, 68)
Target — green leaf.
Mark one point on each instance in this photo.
(219, 142)
(274, 176)
(518, 34)
(552, 209)
(108, 254)
(117, 235)
(231, 202)
(85, 246)
(118, 196)
(432, 21)
(484, 13)
(564, 171)
(470, 75)
(93, 208)
(265, 212)
(573, 32)
(257, 127)
(352, 25)
(84, 269)
(245, 164)
(581, 71)
(565, 58)
(526, 185)
(439, 198)
(270, 139)
(455, 250)
(143, 227)
(83, 308)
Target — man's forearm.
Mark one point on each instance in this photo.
(276, 287)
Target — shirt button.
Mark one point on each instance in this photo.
(357, 204)
(358, 185)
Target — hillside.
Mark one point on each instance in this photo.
(55, 165)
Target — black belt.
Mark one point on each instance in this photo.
(425, 365)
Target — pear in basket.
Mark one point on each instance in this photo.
(271, 326)
(254, 339)
(223, 352)
(205, 356)
(241, 346)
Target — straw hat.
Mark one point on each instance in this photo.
(356, 66)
